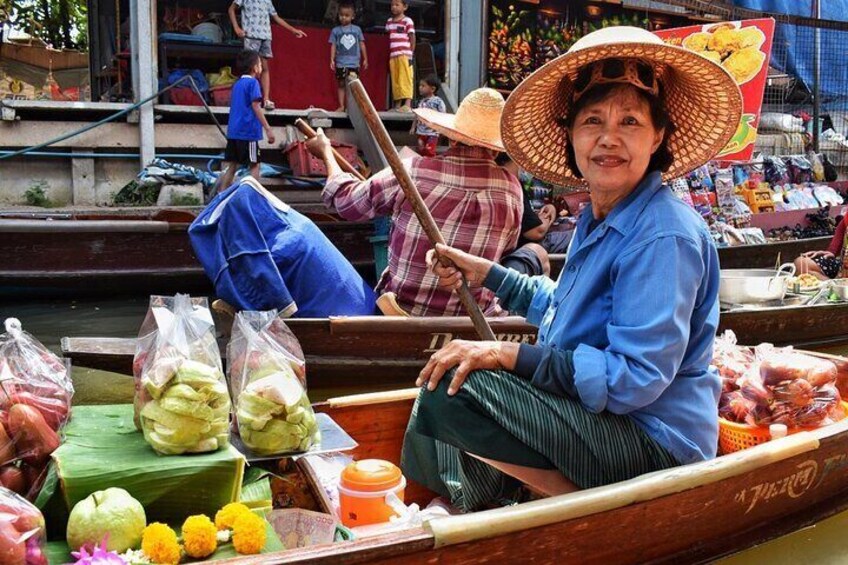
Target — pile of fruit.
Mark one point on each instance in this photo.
(22, 533)
(553, 39)
(267, 378)
(510, 50)
(188, 410)
(767, 385)
(35, 401)
(182, 403)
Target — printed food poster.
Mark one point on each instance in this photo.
(743, 49)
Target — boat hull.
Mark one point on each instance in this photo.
(127, 255)
(692, 514)
(381, 351)
(761, 256)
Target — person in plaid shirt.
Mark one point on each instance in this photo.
(476, 204)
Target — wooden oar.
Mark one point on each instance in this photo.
(372, 119)
(306, 130)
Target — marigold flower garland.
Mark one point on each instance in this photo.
(200, 536)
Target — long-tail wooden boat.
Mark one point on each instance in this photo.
(385, 351)
(691, 514)
(128, 252)
(759, 256)
(91, 251)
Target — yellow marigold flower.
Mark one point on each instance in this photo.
(159, 544)
(200, 536)
(249, 534)
(227, 515)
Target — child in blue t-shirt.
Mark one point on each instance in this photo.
(247, 120)
(347, 46)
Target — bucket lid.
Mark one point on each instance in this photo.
(371, 475)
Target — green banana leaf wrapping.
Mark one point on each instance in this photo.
(103, 449)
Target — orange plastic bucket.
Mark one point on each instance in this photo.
(363, 488)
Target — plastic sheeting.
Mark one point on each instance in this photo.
(798, 43)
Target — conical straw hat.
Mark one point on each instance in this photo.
(702, 100)
(476, 122)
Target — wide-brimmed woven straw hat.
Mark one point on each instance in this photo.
(702, 100)
(477, 120)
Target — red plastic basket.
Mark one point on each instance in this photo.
(185, 97)
(221, 95)
(304, 164)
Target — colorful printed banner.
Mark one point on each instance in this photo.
(743, 48)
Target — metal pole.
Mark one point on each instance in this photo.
(816, 77)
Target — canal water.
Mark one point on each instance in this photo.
(50, 320)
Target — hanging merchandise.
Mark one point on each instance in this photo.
(725, 190)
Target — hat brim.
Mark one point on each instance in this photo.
(702, 99)
(445, 124)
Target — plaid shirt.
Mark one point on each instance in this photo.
(476, 204)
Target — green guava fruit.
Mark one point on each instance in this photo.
(111, 513)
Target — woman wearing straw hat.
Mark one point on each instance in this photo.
(619, 382)
(476, 204)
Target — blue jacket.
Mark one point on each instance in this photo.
(260, 254)
(637, 303)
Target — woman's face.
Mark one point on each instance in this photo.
(613, 141)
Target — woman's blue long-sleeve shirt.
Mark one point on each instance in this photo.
(637, 303)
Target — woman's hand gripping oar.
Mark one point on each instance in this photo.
(378, 130)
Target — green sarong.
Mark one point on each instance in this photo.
(499, 416)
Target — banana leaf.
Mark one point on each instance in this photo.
(103, 449)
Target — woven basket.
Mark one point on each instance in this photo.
(736, 437)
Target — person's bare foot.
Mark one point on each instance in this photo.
(340, 109)
(406, 108)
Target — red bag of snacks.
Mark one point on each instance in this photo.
(731, 360)
(791, 388)
(35, 402)
(22, 534)
(181, 403)
(267, 380)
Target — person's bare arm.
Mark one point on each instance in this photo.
(280, 21)
(260, 114)
(234, 20)
(333, 56)
(364, 55)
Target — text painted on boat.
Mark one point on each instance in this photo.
(794, 485)
(835, 464)
(439, 340)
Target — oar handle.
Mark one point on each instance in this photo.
(381, 136)
(307, 130)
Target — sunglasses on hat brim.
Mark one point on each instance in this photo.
(636, 72)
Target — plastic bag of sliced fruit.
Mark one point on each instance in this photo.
(35, 402)
(181, 399)
(267, 377)
(22, 532)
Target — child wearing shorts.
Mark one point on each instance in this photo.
(255, 30)
(347, 48)
(247, 120)
(428, 138)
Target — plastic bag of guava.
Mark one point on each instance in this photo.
(35, 402)
(268, 384)
(181, 400)
(22, 533)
